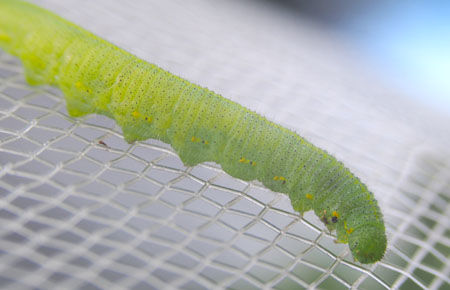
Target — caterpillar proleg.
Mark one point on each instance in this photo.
(149, 102)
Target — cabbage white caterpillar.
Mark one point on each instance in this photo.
(148, 102)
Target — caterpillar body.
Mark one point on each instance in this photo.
(149, 102)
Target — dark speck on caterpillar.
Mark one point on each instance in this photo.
(149, 102)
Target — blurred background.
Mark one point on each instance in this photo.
(364, 80)
(407, 43)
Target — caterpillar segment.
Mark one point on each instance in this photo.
(149, 102)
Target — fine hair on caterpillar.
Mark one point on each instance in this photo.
(149, 102)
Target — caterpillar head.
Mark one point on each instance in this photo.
(368, 243)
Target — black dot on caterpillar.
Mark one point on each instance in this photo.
(149, 102)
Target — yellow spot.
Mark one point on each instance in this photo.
(136, 114)
(280, 178)
(348, 230)
(148, 119)
(335, 213)
(309, 196)
(243, 160)
(79, 85)
(254, 163)
(193, 139)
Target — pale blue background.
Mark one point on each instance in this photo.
(406, 42)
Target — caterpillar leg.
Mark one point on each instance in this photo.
(76, 108)
(33, 78)
(4, 39)
(130, 136)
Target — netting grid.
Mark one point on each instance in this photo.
(81, 208)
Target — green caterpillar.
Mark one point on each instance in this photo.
(148, 102)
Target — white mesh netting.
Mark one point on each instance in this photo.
(80, 208)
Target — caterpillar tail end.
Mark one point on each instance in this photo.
(370, 248)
